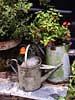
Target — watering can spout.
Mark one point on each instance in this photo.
(43, 78)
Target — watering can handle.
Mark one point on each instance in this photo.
(15, 60)
(27, 48)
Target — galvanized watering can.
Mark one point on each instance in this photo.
(54, 57)
(29, 72)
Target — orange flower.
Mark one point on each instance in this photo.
(22, 50)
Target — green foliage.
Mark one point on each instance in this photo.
(73, 68)
(62, 98)
(71, 90)
(13, 17)
(46, 28)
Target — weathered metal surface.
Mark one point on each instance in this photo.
(54, 57)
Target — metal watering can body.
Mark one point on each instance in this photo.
(29, 75)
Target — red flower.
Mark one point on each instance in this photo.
(65, 23)
(68, 23)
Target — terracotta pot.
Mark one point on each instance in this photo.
(9, 44)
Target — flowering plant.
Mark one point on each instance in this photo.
(46, 27)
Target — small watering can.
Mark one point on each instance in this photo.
(29, 72)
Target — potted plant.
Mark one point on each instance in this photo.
(46, 30)
(13, 21)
